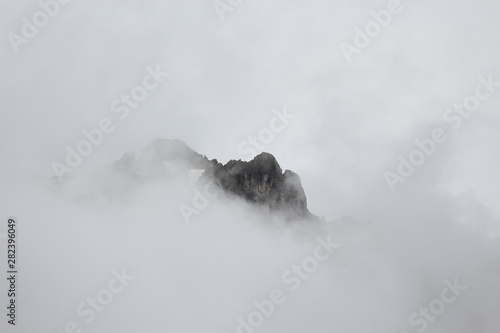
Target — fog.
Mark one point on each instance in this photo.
(349, 122)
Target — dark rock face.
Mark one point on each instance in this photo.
(261, 181)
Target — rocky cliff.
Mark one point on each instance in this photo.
(260, 181)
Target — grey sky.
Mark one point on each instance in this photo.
(352, 120)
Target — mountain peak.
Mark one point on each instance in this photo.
(262, 182)
(259, 181)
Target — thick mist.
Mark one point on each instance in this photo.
(204, 275)
(420, 255)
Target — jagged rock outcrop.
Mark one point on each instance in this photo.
(260, 181)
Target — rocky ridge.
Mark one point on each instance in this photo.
(260, 181)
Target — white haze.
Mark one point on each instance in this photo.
(353, 120)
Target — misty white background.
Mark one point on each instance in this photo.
(352, 121)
